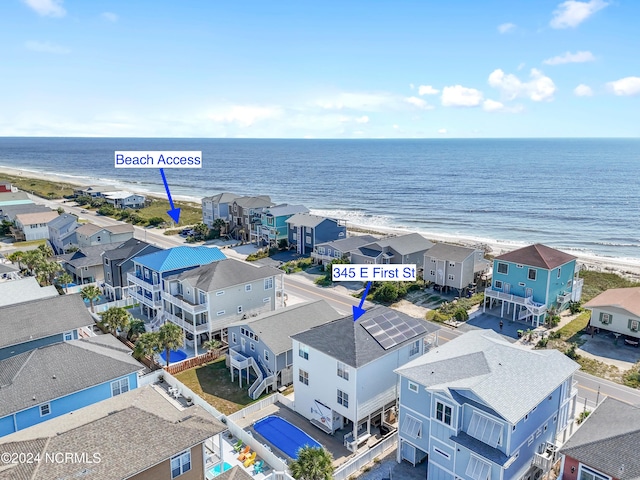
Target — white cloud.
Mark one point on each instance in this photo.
(443, 131)
(625, 86)
(572, 13)
(362, 119)
(494, 106)
(427, 90)
(46, 47)
(244, 115)
(539, 88)
(110, 16)
(47, 8)
(418, 102)
(358, 101)
(583, 90)
(459, 96)
(412, 86)
(568, 57)
(506, 27)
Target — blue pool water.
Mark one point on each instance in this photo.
(174, 356)
(218, 469)
(283, 435)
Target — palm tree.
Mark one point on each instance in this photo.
(213, 345)
(148, 344)
(16, 256)
(201, 230)
(32, 258)
(136, 328)
(46, 250)
(46, 271)
(91, 293)
(65, 279)
(171, 338)
(312, 464)
(116, 318)
(220, 225)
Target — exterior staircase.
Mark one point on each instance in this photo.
(264, 380)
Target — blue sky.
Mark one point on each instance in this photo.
(331, 69)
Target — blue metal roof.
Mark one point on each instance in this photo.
(180, 257)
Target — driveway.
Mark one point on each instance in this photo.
(491, 322)
(604, 346)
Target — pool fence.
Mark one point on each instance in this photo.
(355, 464)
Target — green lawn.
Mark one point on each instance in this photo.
(597, 282)
(574, 326)
(213, 383)
(41, 188)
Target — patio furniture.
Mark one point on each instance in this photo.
(176, 393)
(238, 446)
(258, 467)
(250, 459)
(244, 453)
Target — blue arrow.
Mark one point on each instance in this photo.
(359, 311)
(174, 213)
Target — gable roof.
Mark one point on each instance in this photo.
(286, 209)
(608, 440)
(452, 253)
(126, 250)
(10, 211)
(180, 257)
(259, 201)
(106, 427)
(224, 273)
(120, 195)
(24, 290)
(11, 196)
(348, 244)
(403, 244)
(275, 328)
(235, 473)
(224, 197)
(86, 256)
(483, 362)
(46, 373)
(537, 255)
(90, 229)
(627, 298)
(349, 342)
(36, 217)
(62, 220)
(308, 219)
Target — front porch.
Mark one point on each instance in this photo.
(514, 308)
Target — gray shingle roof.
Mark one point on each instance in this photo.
(403, 244)
(259, 201)
(348, 244)
(224, 273)
(492, 368)
(126, 250)
(224, 197)
(276, 328)
(60, 369)
(308, 220)
(235, 473)
(608, 440)
(286, 209)
(27, 321)
(349, 342)
(452, 253)
(130, 432)
(24, 290)
(481, 448)
(62, 220)
(87, 256)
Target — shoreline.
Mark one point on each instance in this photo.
(626, 267)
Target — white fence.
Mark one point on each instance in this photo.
(262, 450)
(187, 392)
(125, 302)
(357, 463)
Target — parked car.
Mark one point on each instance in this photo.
(83, 211)
(633, 341)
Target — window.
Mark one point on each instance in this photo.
(443, 413)
(605, 318)
(588, 474)
(239, 308)
(308, 239)
(109, 276)
(303, 351)
(266, 300)
(252, 346)
(546, 426)
(266, 355)
(526, 417)
(303, 376)
(633, 325)
(444, 454)
(180, 464)
(68, 336)
(337, 254)
(221, 292)
(106, 261)
(343, 399)
(413, 387)
(485, 429)
(321, 250)
(415, 348)
(146, 274)
(503, 268)
(478, 469)
(45, 409)
(234, 339)
(412, 427)
(530, 441)
(203, 297)
(497, 284)
(98, 238)
(533, 273)
(555, 417)
(343, 370)
(247, 288)
(221, 312)
(538, 432)
(268, 283)
(559, 271)
(119, 386)
(451, 277)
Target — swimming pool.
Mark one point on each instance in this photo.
(283, 435)
(174, 356)
(218, 469)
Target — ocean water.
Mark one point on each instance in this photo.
(576, 194)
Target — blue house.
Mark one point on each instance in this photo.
(475, 409)
(532, 280)
(56, 379)
(146, 280)
(306, 231)
(36, 323)
(273, 224)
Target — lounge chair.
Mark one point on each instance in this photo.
(238, 446)
(258, 467)
(250, 459)
(244, 453)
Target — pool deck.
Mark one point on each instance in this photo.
(231, 457)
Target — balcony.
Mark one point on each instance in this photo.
(563, 298)
(546, 459)
(141, 282)
(141, 297)
(534, 307)
(179, 301)
(189, 327)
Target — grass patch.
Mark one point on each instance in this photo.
(597, 282)
(212, 382)
(631, 377)
(262, 253)
(173, 231)
(30, 243)
(323, 282)
(298, 265)
(599, 369)
(41, 188)
(190, 213)
(574, 326)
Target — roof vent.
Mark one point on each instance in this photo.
(54, 377)
(34, 398)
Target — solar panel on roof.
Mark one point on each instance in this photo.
(389, 330)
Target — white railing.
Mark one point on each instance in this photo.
(533, 307)
(564, 298)
(125, 302)
(264, 403)
(376, 403)
(133, 278)
(140, 297)
(354, 465)
(258, 381)
(202, 328)
(267, 382)
(263, 451)
(189, 307)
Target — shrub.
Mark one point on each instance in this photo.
(571, 352)
(155, 221)
(461, 314)
(631, 378)
(575, 307)
(542, 343)
(582, 416)
(106, 210)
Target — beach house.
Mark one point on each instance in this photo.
(6, 187)
(205, 300)
(9, 212)
(145, 282)
(85, 265)
(530, 281)
(343, 370)
(246, 214)
(33, 226)
(123, 199)
(454, 267)
(20, 290)
(261, 348)
(89, 234)
(62, 232)
(306, 231)
(402, 249)
(617, 310)
(325, 253)
(218, 207)
(474, 408)
(273, 226)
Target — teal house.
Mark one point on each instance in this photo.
(273, 224)
(531, 281)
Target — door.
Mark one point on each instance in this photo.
(408, 452)
(243, 343)
(528, 292)
(506, 288)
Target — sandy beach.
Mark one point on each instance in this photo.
(627, 267)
